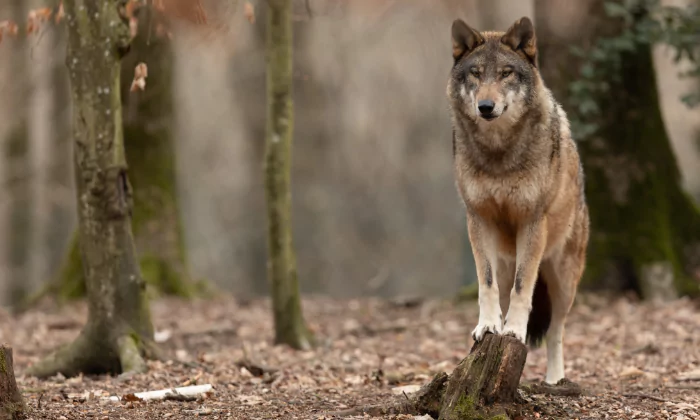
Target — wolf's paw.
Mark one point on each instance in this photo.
(520, 335)
(482, 329)
(556, 379)
(516, 323)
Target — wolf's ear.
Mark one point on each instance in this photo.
(520, 37)
(464, 39)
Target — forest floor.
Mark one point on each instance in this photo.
(634, 361)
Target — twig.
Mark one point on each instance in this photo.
(38, 402)
(178, 397)
(254, 368)
(683, 386)
(647, 396)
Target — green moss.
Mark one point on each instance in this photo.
(290, 327)
(19, 196)
(3, 363)
(466, 409)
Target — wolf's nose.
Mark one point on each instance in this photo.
(486, 106)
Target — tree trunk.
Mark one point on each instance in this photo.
(118, 333)
(645, 228)
(61, 213)
(11, 403)
(150, 150)
(290, 327)
(489, 376)
(17, 171)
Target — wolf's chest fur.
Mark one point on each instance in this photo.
(504, 203)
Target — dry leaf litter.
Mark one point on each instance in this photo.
(634, 360)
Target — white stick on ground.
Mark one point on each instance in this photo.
(160, 394)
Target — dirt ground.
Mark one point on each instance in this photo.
(635, 361)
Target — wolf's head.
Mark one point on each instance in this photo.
(494, 76)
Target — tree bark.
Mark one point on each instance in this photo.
(150, 150)
(645, 228)
(17, 173)
(62, 213)
(486, 378)
(11, 403)
(290, 327)
(118, 334)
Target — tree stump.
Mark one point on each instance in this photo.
(485, 380)
(11, 404)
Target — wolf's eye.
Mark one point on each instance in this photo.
(474, 71)
(507, 72)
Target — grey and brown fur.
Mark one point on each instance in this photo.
(519, 174)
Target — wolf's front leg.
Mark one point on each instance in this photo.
(530, 245)
(490, 317)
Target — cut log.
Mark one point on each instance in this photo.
(485, 380)
(11, 404)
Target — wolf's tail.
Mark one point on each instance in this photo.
(541, 313)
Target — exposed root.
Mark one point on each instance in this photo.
(69, 360)
(92, 353)
(426, 401)
(563, 388)
(130, 355)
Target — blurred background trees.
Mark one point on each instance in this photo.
(645, 227)
(373, 197)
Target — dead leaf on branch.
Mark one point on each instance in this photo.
(8, 27)
(140, 74)
(60, 13)
(36, 17)
(249, 11)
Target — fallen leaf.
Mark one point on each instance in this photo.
(631, 372)
(131, 397)
(162, 336)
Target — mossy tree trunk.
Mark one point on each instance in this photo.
(485, 380)
(61, 213)
(150, 151)
(645, 228)
(290, 327)
(118, 334)
(11, 403)
(16, 169)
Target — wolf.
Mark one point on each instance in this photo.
(520, 176)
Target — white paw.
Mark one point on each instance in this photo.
(520, 335)
(482, 329)
(515, 327)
